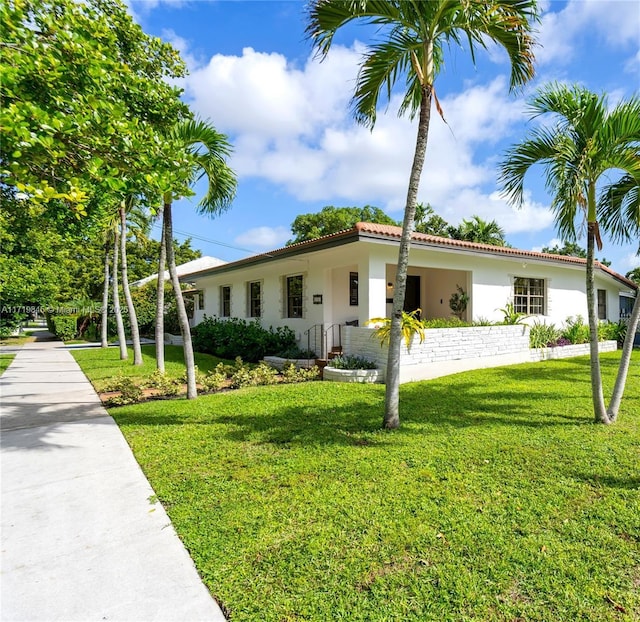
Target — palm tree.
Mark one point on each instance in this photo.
(104, 329)
(122, 340)
(481, 231)
(586, 140)
(416, 34)
(207, 150)
(620, 206)
(124, 208)
(159, 331)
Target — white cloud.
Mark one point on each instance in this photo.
(264, 238)
(630, 261)
(292, 127)
(263, 95)
(550, 244)
(615, 22)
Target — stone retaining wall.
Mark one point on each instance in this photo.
(450, 350)
(443, 344)
(565, 352)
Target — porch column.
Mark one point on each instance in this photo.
(371, 289)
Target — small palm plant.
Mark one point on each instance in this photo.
(411, 325)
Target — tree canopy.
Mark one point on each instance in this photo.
(332, 219)
(85, 94)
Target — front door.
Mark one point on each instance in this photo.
(412, 295)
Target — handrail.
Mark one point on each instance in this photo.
(332, 329)
(316, 329)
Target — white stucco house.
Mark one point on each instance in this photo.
(346, 278)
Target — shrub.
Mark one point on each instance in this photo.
(542, 335)
(482, 321)
(164, 383)
(445, 322)
(245, 376)
(613, 331)
(232, 337)
(575, 330)
(295, 352)
(291, 374)
(130, 392)
(349, 361)
(216, 379)
(65, 327)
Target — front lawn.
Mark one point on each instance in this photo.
(5, 361)
(497, 499)
(101, 365)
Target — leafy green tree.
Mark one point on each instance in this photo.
(568, 249)
(332, 219)
(571, 249)
(84, 92)
(34, 258)
(207, 151)
(634, 275)
(427, 221)
(586, 139)
(480, 231)
(414, 36)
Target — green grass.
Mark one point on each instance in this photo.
(498, 498)
(5, 361)
(102, 364)
(17, 340)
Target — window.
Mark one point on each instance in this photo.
(353, 289)
(528, 296)
(201, 300)
(602, 304)
(254, 296)
(294, 296)
(225, 301)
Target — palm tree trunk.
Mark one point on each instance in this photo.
(596, 378)
(104, 328)
(159, 334)
(133, 317)
(623, 369)
(392, 391)
(122, 340)
(183, 319)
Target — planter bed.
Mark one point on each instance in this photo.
(353, 375)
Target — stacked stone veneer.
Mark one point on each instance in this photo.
(450, 350)
(565, 352)
(443, 344)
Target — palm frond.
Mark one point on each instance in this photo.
(419, 29)
(619, 209)
(542, 146)
(382, 67)
(209, 150)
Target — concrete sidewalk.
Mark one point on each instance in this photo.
(82, 538)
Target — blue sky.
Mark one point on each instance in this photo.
(297, 148)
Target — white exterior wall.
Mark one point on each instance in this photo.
(488, 280)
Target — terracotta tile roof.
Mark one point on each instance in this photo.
(375, 230)
(395, 232)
